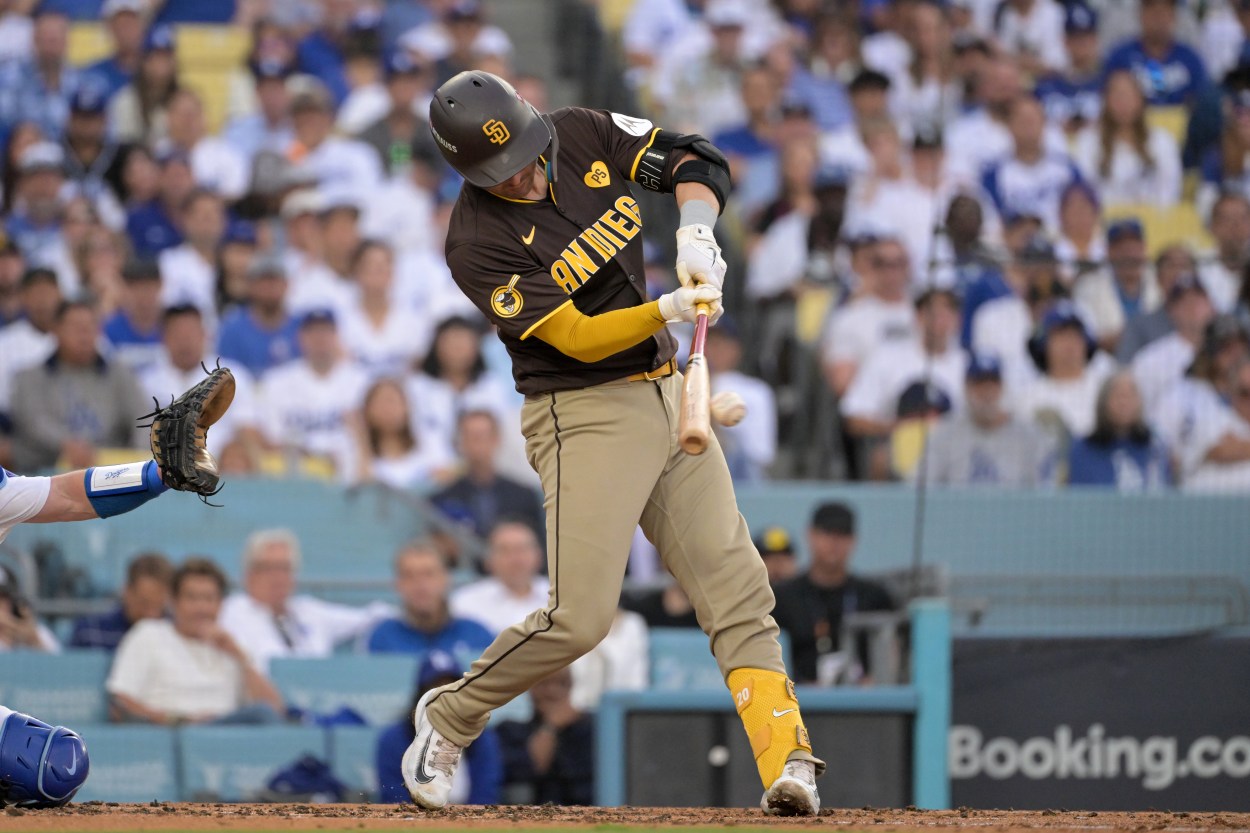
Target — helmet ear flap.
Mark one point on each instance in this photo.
(553, 150)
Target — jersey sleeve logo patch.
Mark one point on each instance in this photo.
(506, 301)
(496, 131)
(632, 126)
(597, 176)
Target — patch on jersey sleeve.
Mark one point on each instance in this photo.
(631, 125)
(506, 301)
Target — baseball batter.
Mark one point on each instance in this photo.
(556, 262)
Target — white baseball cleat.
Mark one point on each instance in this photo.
(429, 762)
(793, 793)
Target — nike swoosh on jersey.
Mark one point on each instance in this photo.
(424, 777)
(781, 714)
(529, 238)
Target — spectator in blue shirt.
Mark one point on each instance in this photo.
(1121, 452)
(36, 221)
(149, 222)
(1073, 97)
(261, 335)
(1031, 179)
(38, 90)
(124, 19)
(134, 329)
(1169, 71)
(425, 623)
(483, 756)
(145, 596)
(323, 52)
(751, 146)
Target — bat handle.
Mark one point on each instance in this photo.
(702, 313)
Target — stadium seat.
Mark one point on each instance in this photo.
(351, 757)
(681, 660)
(1175, 120)
(213, 87)
(130, 763)
(65, 688)
(220, 48)
(88, 43)
(379, 688)
(1164, 226)
(235, 763)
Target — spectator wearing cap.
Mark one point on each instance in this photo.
(460, 37)
(810, 606)
(983, 133)
(261, 334)
(478, 782)
(137, 112)
(1226, 466)
(751, 445)
(843, 147)
(696, 88)
(134, 330)
(93, 162)
(396, 135)
(1172, 263)
(1002, 326)
(271, 621)
(31, 339)
(1221, 269)
(1168, 71)
(932, 356)
(267, 129)
(1031, 31)
(1121, 451)
(1061, 399)
(776, 548)
(189, 271)
(151, 215)
(38, 89)
(234, 257)
(214, 163)
(985, 445)
(332, 162)
(145, 595)
(1081, 245)
(184, 354)
(1193, 416)
(303, 405)
(383, 337)
(1128, 160)
(880, 313)
(124, 20)
(76, 401)
(1114, 296)
(35, 223)
(1030, 178)
(1072, 92)
(188, 669)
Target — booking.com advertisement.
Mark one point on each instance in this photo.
(1101, 724)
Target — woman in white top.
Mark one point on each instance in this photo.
(385, 338)
(1126, 159)
(389, 450)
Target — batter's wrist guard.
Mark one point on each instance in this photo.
(655, 166)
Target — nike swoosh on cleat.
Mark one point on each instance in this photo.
(422, 776)
(528, 238)
(781, 714)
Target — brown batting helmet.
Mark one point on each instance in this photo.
(486, 131)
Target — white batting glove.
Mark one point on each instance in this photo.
(679, 305)
(698, 257)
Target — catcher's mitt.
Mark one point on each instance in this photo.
(179, 432)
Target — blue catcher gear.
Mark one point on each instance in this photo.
(40, 765)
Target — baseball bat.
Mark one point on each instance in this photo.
(694, 426)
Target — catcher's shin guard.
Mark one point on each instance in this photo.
(770, 714)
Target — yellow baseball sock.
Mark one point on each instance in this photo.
(770, 714)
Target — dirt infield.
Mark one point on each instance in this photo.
(96, 817)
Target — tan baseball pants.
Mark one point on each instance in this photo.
(609, 460)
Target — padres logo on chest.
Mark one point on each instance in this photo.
(506, 301)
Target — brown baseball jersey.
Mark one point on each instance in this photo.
(520, 261)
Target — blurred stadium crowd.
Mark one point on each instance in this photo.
(994, 242)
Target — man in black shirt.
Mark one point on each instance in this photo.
(810, 607)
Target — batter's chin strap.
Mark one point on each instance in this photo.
(711, 168)
(553, 149)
